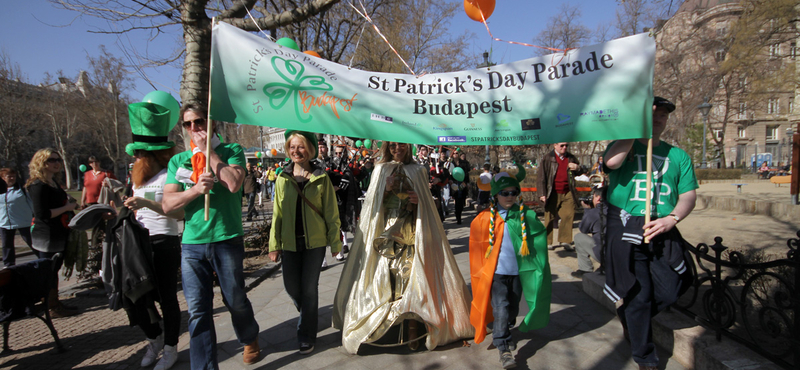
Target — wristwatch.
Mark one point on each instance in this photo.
(675, 217)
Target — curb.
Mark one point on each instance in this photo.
(692, 345)
(780, 211)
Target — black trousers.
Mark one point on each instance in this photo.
(7, 236)
(166, 261)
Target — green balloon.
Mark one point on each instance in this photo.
(381, 143)
(82, 168)
(258, 154)
(165, 100)
(414, 150)
(288, 160)
(278, 171)
(458, 174)
(359, 144)
(368, 143)
(287, 42)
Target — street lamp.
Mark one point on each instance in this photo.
(704, 109)
(486, 63)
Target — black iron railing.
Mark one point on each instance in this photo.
(749, 299)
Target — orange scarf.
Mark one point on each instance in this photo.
(198, 162)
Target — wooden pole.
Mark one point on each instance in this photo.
(210, 132)
(649, 193)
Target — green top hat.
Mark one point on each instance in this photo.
(150, 126)
(314, 149)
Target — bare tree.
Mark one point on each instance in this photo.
(195, 18)
(18, 118)
(563, 30)
(106, 107)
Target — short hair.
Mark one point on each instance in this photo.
(92, 159)
(7, 171)
(599, 190)
(487, 166)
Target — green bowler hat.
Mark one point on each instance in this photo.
(150, 126)
(312, 137)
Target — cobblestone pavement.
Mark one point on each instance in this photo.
(581, 334)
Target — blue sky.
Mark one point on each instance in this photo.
(40, 38)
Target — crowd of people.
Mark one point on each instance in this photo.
(400, 285)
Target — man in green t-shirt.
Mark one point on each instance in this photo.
(211, 246)
(645, 264)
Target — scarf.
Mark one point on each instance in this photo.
(199, 159)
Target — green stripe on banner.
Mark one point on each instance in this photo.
(600, 92)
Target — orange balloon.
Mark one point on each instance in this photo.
(274, 152)
(312, 53)
(365, 153)
(471, 7)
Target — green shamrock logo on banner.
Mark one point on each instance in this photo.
(291, 71)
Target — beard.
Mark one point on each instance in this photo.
(144, 169)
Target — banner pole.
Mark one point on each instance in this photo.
(648, 198)
(210, 132)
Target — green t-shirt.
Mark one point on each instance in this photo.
(225, 212)
(673, 174)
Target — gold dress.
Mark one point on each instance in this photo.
(400, 268)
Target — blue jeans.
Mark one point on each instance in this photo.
(198, 263)
(506, 294)
(301, 280)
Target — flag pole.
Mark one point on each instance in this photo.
(648, 198)
(209, 137)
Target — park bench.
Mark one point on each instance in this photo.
(778, 180)
(21, 288)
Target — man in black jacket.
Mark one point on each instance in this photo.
(251, 190)
(555, 184)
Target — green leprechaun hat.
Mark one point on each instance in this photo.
(150, 126)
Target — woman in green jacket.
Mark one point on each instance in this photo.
(305, 219)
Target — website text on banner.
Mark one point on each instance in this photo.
(601, 92)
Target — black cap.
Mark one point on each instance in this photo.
(661, 102)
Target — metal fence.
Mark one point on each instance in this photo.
(749, 299)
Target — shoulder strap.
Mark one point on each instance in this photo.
(308, 202)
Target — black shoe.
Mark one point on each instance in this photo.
(507, 360)
(249, 219)
(458, 222)
(567, 247)
(512, 346)
(306, 348)
(579, 273)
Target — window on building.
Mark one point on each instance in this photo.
(772, 106)
(741, 132)
(793, 50)
(790, 106)
(775, 50)
(772, 132)
(743, 110)
(719, 110)
(717, 134)
(743, 83)
(721, 31)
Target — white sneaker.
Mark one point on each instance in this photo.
(325, 263)
(154, 347)
(169, 358)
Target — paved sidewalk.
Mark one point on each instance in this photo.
(581, 334)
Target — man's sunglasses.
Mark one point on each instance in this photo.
(197, 122)
(506, 193)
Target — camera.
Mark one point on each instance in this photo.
(587, 199)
